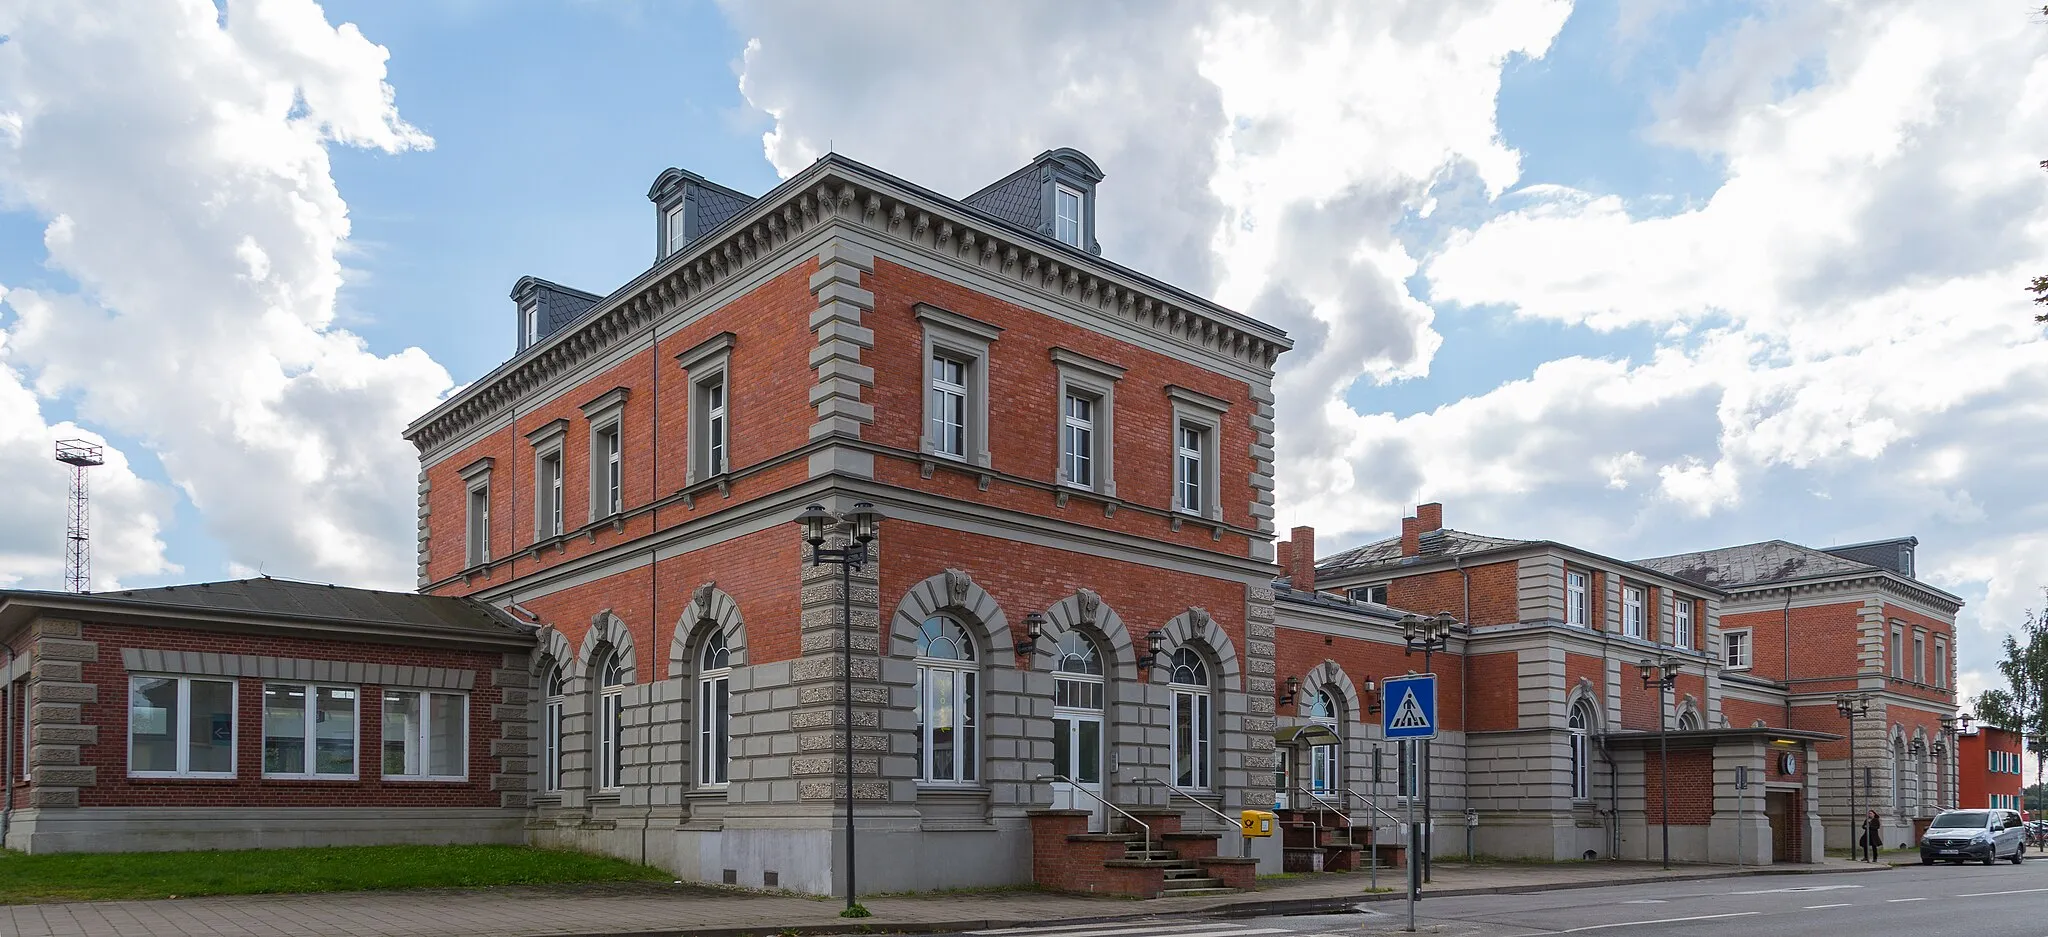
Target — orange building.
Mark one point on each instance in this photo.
(1991, 762)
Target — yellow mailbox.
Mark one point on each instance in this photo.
(1258, 822)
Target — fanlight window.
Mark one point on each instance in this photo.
(943, 639)
(713, 710)
(948, 704)
(1189, 675)
(1079, 684)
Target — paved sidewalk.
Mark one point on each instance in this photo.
(645, 909)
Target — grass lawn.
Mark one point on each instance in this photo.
(26, 879)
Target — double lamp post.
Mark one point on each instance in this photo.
(1662, 673)
(1428, 634)
(859, 524)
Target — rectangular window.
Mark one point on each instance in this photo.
(551, 732)
(610, 445)
(1919, 657)
(1940, 662)
(1899, 653)
(713, 715)
(181, 727)
(529, 321)
(1077, 441)
(948, 725)
(479, 525)
(1376, 593)
(677, 228)
(1191, 740)
(1736, 645)
(611, 713)
(1632, 611)
(1681, 623)
(548, 485)
(1582, 765)
(949, 406)
(425, 736)
(1067, 215)
(309, 731)
(19, 700)
(1575, 608)
(712, 395)
(1188, 469)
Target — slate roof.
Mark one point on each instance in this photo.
(1283, 592)
(716, 205)
(1755, 564)
(1388, 552)
(286, 599)
(1016, 198)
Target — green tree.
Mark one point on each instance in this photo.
(2040, 285)
(2021, 706)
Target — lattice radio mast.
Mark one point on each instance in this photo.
(80, 455)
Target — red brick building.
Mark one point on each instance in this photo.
(1990, 762)
(1069, 456)
(259, 713)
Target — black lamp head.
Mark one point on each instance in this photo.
(1034, 628)
(814, 520)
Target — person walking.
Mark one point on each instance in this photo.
(1871, 827)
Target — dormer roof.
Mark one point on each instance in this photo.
(1026, 197)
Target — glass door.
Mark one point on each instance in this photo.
(1077, 756)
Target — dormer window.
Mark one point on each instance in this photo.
(529, 326)
(1067, 215)
(675, 228)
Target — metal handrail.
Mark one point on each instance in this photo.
(1098, 799)
(1326, 805)
(1194, 800)
(1373, 806)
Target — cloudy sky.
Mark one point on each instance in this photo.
(1644, 275)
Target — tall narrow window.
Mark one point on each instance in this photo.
(1940, 662)
(555, 707)
(949, 406)
(480, 525)
(1580, 728)
(425, 736)
(1067, 215)
(309, 731)
(19, 700)
(611, 711)
(1919, 657)
(1899, 653)
(548, 479)
(1681, 623)
(1324, 768)
(949, 696)
(714, 672)
(714, 425)
(1188, 469)
(1077, 717)
(1632, 611)
(1189, 682)
(1575, 612)
(1078, 441)
(529, 322)
(676, 228)
(181, 727)
(614, 470)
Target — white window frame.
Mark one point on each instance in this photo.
(708, 368)
(1095, 380)
(424, 737)
(1730, 639)
(1199, 411)
(1194, 704)
(1940, 662)
(1682, 629)
(955, 337)
(18, 698)
(1325, 761)
(181, 721)
(1898, 652)
(675, 228)
(529, 325)
(476, 513)
(1634, 608)
(714, 702)
(1578, 590)
(554, 709)
(1060, 221)
(311, 726)
(965, 703)
(1364, 593)
(1077, 439)
(606, 416)
(1919, 656)
(550, 484)
(611, 726)
(1581, 743)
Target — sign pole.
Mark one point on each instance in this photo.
(1414, 840)
(1410, 720)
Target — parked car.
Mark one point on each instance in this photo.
(1983, 835)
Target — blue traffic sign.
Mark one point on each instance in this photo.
(1408, 706)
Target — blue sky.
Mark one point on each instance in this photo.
(1643, 341)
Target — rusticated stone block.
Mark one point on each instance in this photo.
(56, 714)
(53, 797)
(55, 734)
(58, 628)
(63, 776)
(63, 649)
(65, 755)
(60, 671)
(47, 692)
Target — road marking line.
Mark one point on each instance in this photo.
(1817, 907)
(2016, 891)
(1668, 920)
(1111, 928)
(1897, 900)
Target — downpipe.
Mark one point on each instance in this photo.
(7, 748)
(1613, 803)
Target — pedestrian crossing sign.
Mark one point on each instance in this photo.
(1408, 706)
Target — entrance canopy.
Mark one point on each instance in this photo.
(1709, 738)
(1306, 735)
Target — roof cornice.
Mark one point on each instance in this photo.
(1889, 583)
(1429, 562)
(836, 189)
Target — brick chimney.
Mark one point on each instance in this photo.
(1411, 537)
(1429, 516)
(1283, 553)
(1301, 559)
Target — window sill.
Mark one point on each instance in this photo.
(183, 777)
(420, 780)
(313, 778)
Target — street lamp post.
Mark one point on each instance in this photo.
(1951, 726)
(1663, 674)
(860, 523)
(1428, 635)
(1852, 705)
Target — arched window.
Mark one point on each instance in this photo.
(1189, 680)
(1580, 726)
(1899, 775)
(948, 701)
(611, 712)
(1077, 713)
(555, 703)
(714, 670)
(1323, 776)
(1688, 721)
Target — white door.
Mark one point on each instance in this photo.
(1077, 757)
